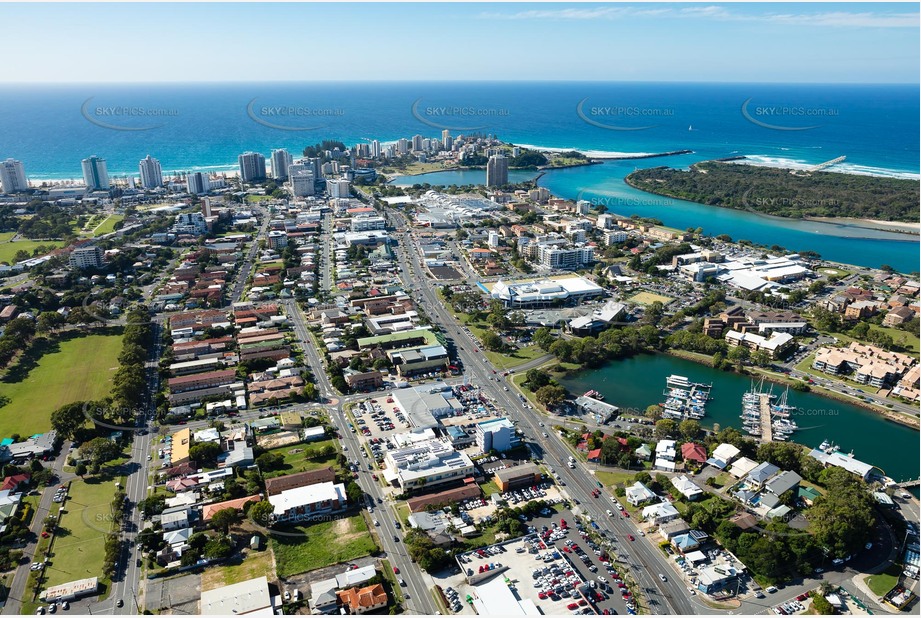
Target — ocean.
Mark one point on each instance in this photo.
(204, 127)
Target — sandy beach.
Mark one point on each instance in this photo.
(872, 224)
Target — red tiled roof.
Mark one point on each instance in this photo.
(693, 452)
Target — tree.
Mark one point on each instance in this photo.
(354, 492)
(665, 428)
(492, 341)
(100, 450)
(739, 355)
(80, 470)
(67, 419)
(205, 453)
(260, 513)
(270, 461)
(689, 429)
(551, 395)
(653, 411)
(49, 321)
(224, 519)
(761, 358)
(218, 548)
(536, 379)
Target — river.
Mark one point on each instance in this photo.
(604, 185)
(635, 383)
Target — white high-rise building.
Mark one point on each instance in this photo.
(417, 142)
(281, 159)
(403, 146)
(95, 175)
(338, 188)
(151, 174)
(252, 166)
(493, 239)
(302, 181)
(86, 257)
(497, 171)
(197, 183)
(375, 149)
(13, 176)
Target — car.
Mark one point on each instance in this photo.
(771, 589)
(630, 537)
(572, 606)
(137, 563)
(402, 583)
(40, 611)
(396, 570)
(610, 513)
(52, 608)
(65, 606)
(868, 546)
(120, 603)
(662, 577)
(396, 539)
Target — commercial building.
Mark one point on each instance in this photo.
(302, 181)
(277, 485)
(497, 435)
(525, 475)
(302, 503)
(240, 599)
(151, 173)
(192, 223)
(426, 464)
(497, 171)
(71, 590)
(95, 175)
(544, 292)
(86, 257)
(13, 177)
(422, 406)
(252, 166)
(180, 444)
(364, 223)
(777, 344)
(418, 360)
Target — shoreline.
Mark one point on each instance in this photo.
(888, 227)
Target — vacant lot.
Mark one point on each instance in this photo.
(79, 543)
(305, 548)
(105, 226)
(254, 564)
(647, 298)
(302, 457)
(76, 369)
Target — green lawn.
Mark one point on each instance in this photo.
(105, 226)
(8, 249)
(321, 544)
(489, 488)
(257, 198)
(76, 369)
(615, 478)
(79, 550)
(300, 457)
(900, 337)
(403, 512)
(882, 583)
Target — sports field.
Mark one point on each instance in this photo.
(647, 298)
(77, 369)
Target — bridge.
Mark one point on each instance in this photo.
(907, 484)
(827, 164)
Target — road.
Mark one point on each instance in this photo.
(420, 601)
(240, 280)
(645, 560)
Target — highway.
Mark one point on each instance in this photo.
(645, 560)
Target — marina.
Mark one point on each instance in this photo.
(875, 439)
(685, 399)
(764, 417)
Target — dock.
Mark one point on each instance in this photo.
(767, 429)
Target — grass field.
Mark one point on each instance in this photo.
(322, 544)
(881, 583)
(489, 488)
(79, 544)
(105, 226)
(8, 249)
(615, 478)
(299, 461)
(647, 298)
(254, 564)
(257, 198)
(77, 369)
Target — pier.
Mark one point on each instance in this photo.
(767, 429)
(827, 164)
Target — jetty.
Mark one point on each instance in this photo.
(827, 164)
(767, 428)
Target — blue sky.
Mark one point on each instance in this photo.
(779, 42)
